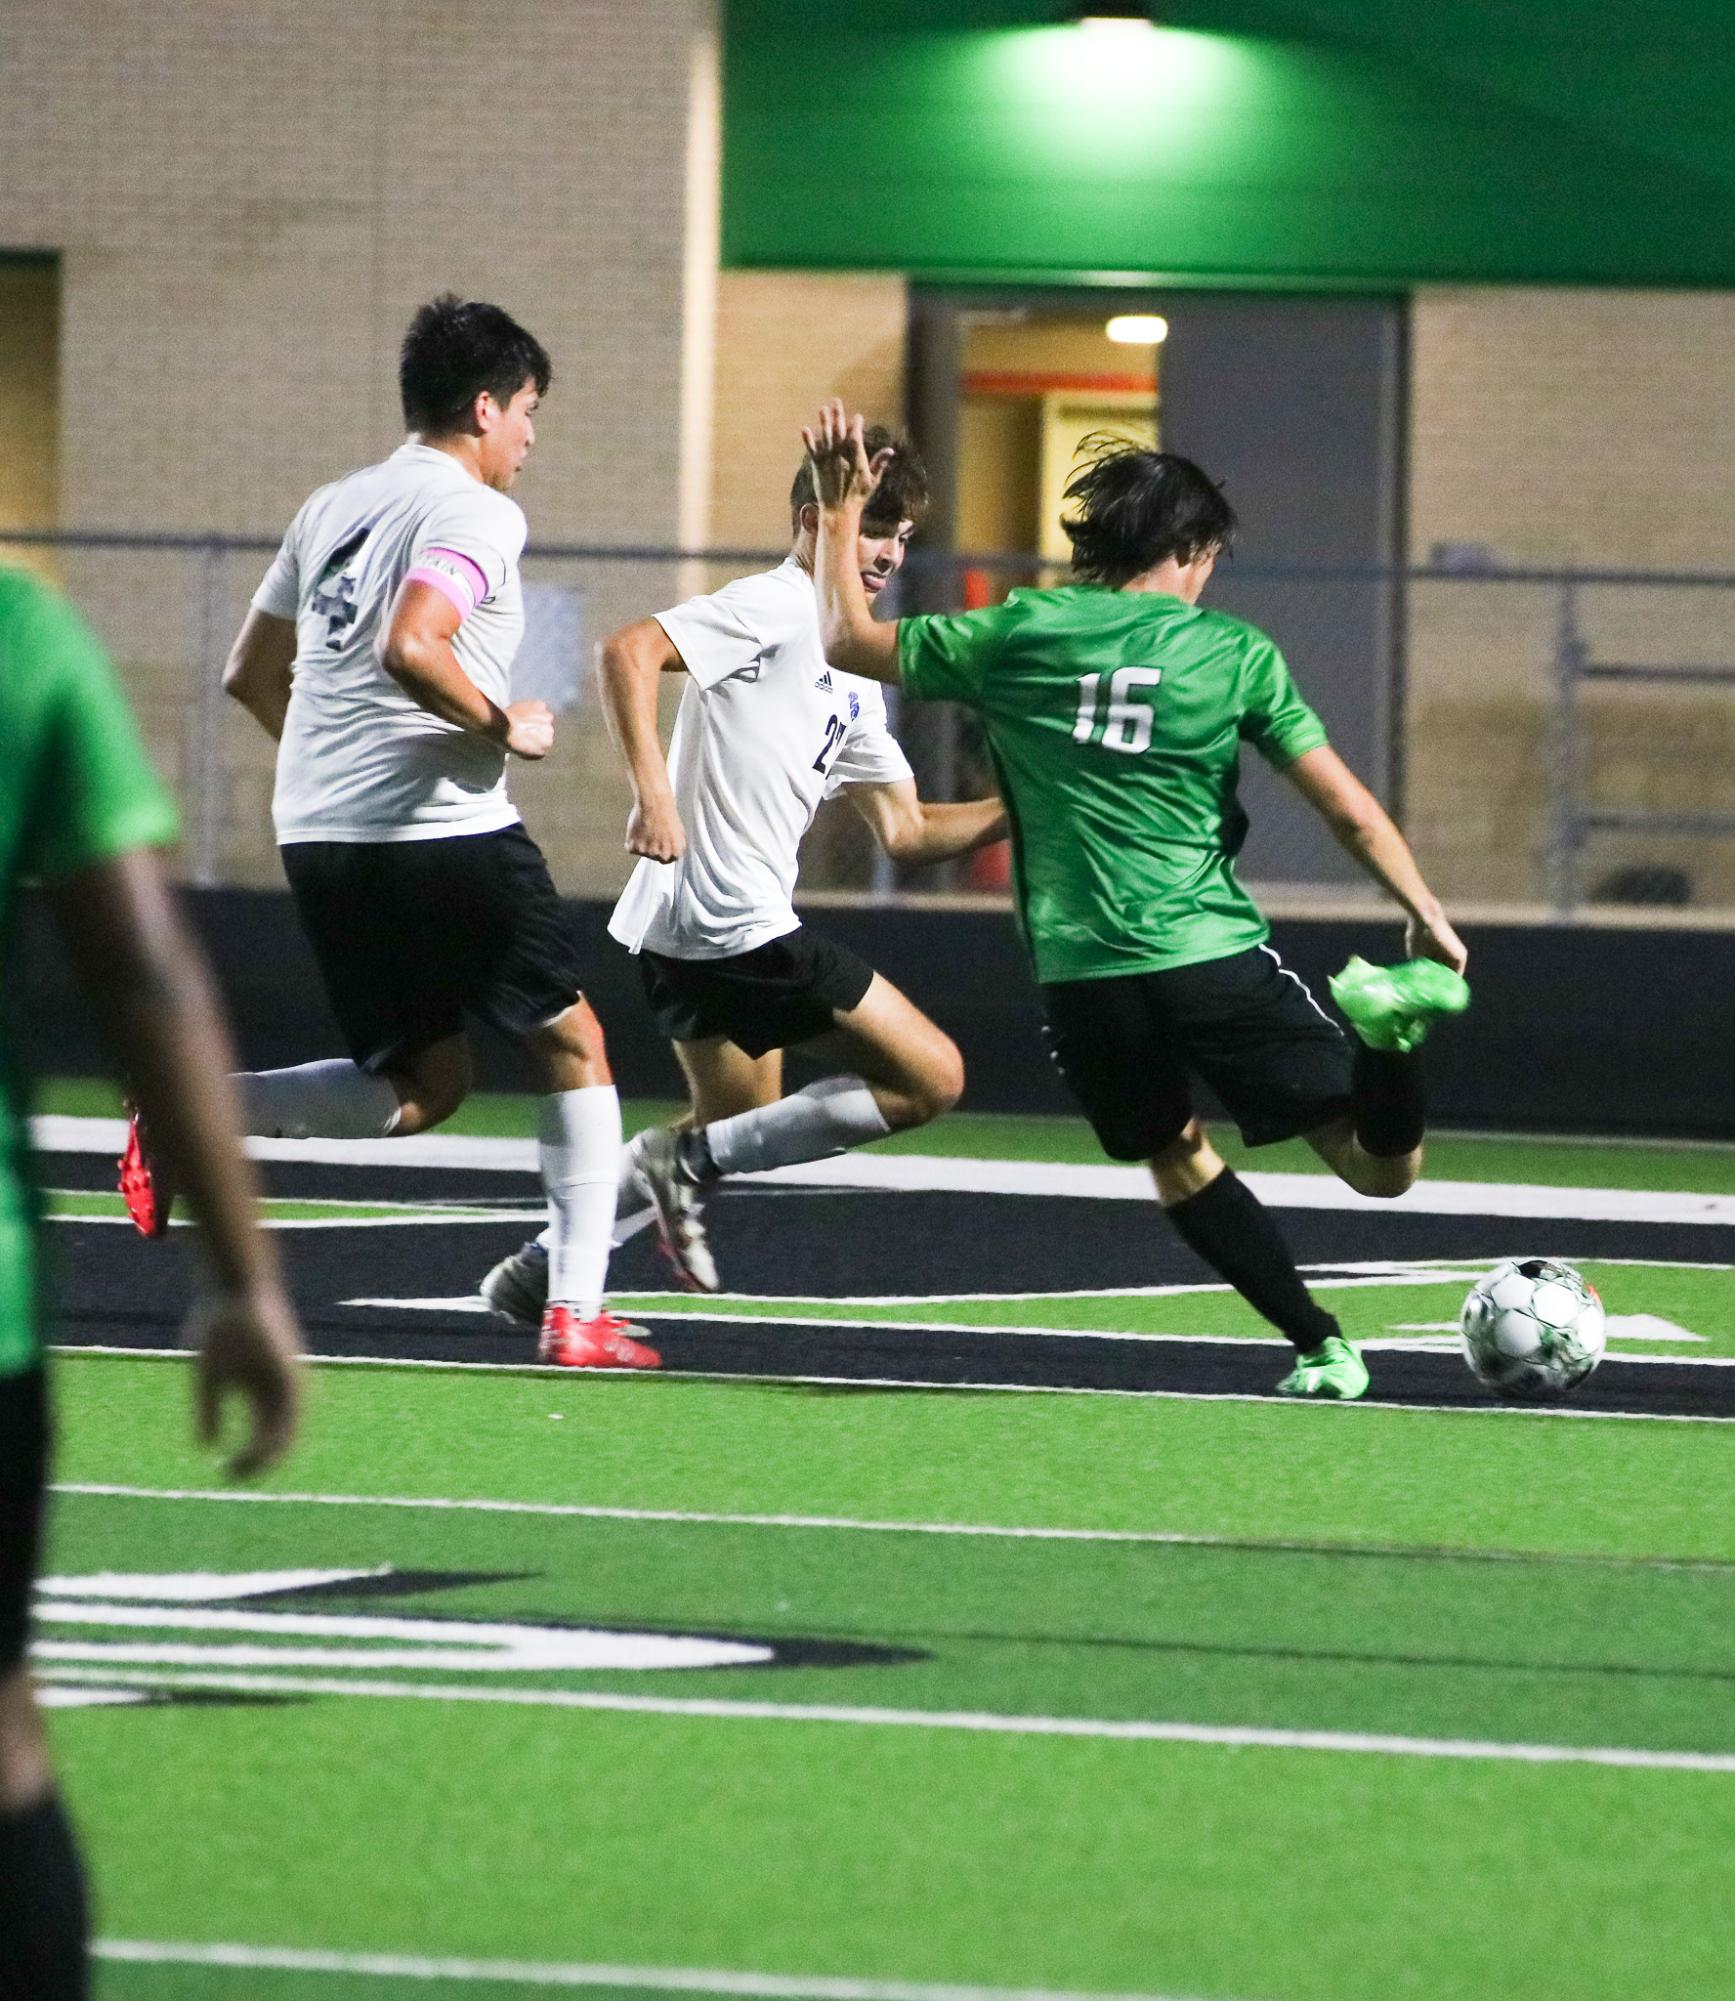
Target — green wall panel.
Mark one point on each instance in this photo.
(1342, 142)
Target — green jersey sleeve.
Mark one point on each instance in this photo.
(1274, 718)
(92, 791)
(946, 657)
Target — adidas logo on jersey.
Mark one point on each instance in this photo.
(824, 681)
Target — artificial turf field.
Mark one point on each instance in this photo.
(957, 1611)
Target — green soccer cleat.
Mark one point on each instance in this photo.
(1334, 1372)
(1393, 1007)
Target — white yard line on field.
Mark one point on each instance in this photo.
(1128, 1730)
(936, 1173)
(535, 1973)
(468, 1303)
(598, 1377)
(852, 1525)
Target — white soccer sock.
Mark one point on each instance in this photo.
(332, 1100)
(811, 1124)
(580, 1133)
(632, 1213)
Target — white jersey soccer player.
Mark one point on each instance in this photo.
(767, 730)
(379, 653)
(360, 759)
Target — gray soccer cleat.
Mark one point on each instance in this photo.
(675, 1193)
(517, 1287)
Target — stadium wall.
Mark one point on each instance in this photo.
(244, 204)
(248, 202)
(1591, 430)
(1571, 1030)
(785, 340)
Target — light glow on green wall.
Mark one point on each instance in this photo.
(1119, 105)
(1080, 73)
(1421, 148)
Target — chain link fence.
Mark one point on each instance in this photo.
(1560, 741)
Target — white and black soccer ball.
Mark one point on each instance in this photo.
(1533, 1329)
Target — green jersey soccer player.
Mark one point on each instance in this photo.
(1115, 709)
(81, 813)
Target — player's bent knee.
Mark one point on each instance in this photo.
(1185, 1166)
(919, 1085)
(938, 1088)
(946, 1084)
(576, 1033)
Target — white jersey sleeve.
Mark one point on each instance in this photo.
(871, 755)
(475, 522)
(729, 633)
(280, 593)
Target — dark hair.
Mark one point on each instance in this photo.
(455, 349)
(1136, 507)
(902, 494)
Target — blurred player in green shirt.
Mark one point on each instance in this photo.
(1115, 709)
(82, 812)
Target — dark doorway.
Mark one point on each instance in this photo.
(1297, 404)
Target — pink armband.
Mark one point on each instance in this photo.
(460, 581)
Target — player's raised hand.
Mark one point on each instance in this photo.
(247, 1347)
(529, 729)
(654, 830)
(843, 474)
(1431, 937)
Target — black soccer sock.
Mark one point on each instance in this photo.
(1232, 1230)
(1388, 1100)
(43, 1916)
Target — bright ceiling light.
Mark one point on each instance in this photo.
(1112, 19)
(1138, 329)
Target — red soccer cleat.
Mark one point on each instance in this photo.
(146, 1190)
(603, 1343)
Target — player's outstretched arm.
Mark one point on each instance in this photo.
(261, 668)
(915, 831)
(1364, 829)
(630, 667)
(844, 480)
(418, 655)
(145, 978)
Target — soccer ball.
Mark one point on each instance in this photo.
(1532, 1329)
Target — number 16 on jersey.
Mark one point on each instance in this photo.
(1127, 724)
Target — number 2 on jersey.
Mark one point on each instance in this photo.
(1127, 726)
(835, 732)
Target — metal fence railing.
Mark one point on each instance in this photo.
(1562, 740)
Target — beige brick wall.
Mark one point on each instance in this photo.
(785, 339)
(1583, 429)
(250, 200)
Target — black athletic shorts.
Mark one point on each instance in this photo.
(770, 998)
(1246, 1026)
(411, 936)
(23, 1493)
